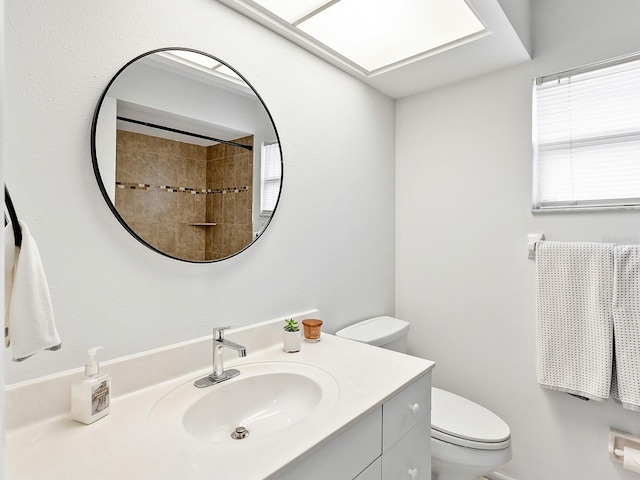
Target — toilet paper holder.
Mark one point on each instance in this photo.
(618, 440)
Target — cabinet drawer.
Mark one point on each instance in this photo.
(372, 472)
(410, 457)
(403, 411)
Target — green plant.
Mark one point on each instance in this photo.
(291, 325)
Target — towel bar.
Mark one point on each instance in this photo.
(17, 233)
(534, 238)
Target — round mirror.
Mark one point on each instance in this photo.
(186, 155)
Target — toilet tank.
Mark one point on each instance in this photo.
(386, 332)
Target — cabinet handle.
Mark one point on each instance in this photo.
(413, 473)
(415, 408)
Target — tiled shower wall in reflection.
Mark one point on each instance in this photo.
(230, 199)
(171, 192)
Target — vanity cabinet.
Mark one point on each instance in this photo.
(393, 442)
(375, 425)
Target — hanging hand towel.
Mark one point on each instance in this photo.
(29, 322)
(574, 337)
(626, 326)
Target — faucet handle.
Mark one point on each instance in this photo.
(218, 332)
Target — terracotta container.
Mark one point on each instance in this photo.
(312, 329)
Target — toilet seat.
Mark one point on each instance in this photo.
(457, 420)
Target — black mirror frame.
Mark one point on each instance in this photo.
(104, 192)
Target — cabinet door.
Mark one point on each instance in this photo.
(410, 457)
(344, 457)
(372, 472)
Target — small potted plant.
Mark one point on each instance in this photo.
(291, 339)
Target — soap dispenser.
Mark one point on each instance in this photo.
(91, 397)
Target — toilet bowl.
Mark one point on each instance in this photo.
(467, 440)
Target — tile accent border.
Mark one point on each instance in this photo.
(193, 191)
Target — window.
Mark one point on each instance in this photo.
(271, 173)
(586, 137)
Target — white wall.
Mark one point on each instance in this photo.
(463, 277)
(331, 243)
(1, 239)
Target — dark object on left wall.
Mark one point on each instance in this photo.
(17, 233)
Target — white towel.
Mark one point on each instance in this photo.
(626, 326)
(29, 322)
(574, 338)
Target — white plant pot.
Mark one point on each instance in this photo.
(291, 341)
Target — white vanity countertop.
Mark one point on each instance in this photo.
(124, 445)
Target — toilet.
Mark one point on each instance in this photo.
(467, 440)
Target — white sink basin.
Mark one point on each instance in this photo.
(266, 398)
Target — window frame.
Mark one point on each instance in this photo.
(274, 179)
(602, 139)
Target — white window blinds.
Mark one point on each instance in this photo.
(271, 174)
(587, 137)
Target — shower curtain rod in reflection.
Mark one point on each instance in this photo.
(174, 130)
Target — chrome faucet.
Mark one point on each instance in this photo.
(219, 373)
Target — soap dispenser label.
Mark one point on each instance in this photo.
(99, 397)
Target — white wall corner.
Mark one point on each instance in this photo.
(519, 14)
(1, 240)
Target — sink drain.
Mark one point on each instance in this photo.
(239, 433)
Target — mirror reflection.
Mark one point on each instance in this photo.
(187, 155)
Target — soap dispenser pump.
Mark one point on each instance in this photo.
(91, 397)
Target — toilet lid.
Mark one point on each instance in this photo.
(376, 331)
(458, 420)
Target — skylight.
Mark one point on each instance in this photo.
(382, 34)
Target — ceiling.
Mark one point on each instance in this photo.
(498, 47)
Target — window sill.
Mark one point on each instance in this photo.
(586, 208)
